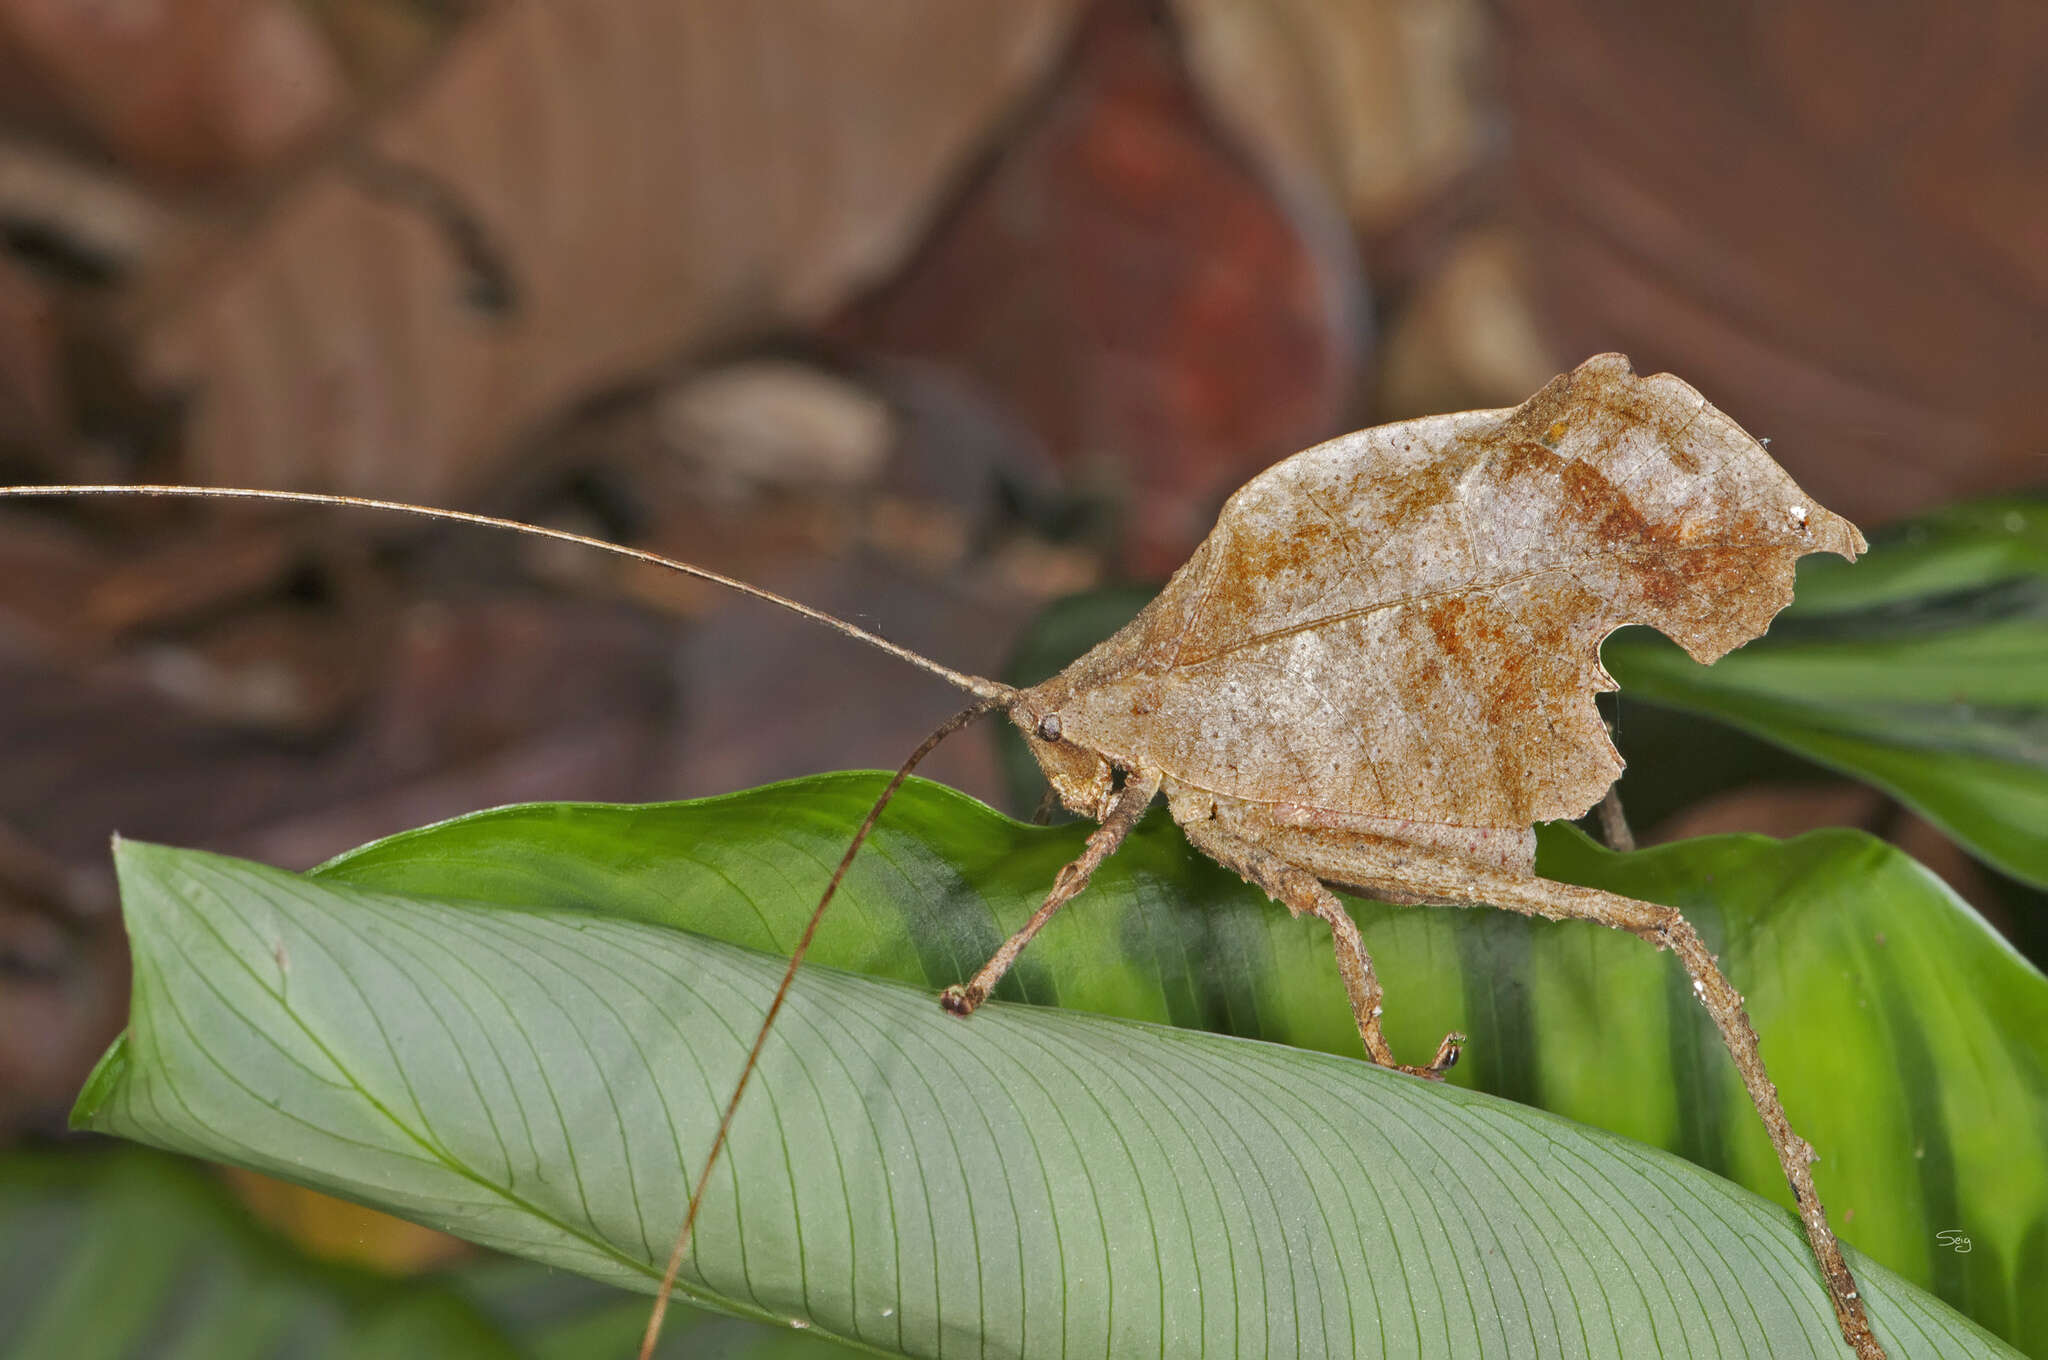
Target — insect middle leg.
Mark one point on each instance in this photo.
(1301, 892)
(1129, 805)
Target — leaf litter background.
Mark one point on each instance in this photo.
(932, 318)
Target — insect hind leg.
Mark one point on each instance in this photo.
(1430, 875)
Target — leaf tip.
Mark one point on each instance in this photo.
(107, 1073)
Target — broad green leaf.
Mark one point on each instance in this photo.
(1950, 550)
(556, 1315)
(1911, 1044)
(130, 1253)
(135, 1254)
(540, 1078)
(1922, 669)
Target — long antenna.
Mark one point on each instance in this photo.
(973, 684)
(796, 957)
(989, 695)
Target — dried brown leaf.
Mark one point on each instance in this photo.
(645, 177)
(1885, 318)
(1403, 625)
(31, 398)
(1376, 102)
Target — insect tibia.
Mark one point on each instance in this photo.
(973, 684)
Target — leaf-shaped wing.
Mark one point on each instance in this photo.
(1405, 622)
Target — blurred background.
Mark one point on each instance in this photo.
(927, 313)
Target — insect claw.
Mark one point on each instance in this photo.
(1447, 1054)
(961, 1000)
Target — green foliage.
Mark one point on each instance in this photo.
(517, 1052)
(121, 1253)
(1922, 669)
(1911, 1044)
(129, 1253)
(556, 1315)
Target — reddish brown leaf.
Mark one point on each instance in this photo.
(1136, 291)
(177, 87)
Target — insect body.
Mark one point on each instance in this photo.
(1379, 670)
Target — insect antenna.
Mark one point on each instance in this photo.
(973, 684)
(945, 729)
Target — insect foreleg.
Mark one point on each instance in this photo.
(1129, 805)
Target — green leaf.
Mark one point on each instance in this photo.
(131, 1253)
(1910, 1042)
(135, 1254)
(555, 1315)
(540, 1074)
(1922, 669)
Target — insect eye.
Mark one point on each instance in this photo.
(1049, 727)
